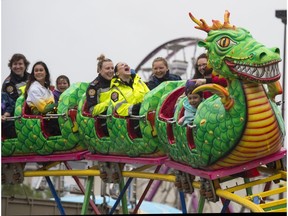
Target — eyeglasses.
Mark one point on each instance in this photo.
(201, 65)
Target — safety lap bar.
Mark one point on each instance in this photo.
(137, 117)
(12, 118)
(53, 116)
(103, 116)
(191, 126)
(171, 121)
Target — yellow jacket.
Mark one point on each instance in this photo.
(123, 96)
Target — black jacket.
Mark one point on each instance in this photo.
(12, 84)
(154, 81)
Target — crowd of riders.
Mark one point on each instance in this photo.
(118, 85)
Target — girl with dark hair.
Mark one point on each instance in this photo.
(40, 98)
(190, 103)
(203, 74)
(201, 69)
(62, 83)
(38, 95)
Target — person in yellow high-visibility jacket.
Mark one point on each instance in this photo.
(127, 91)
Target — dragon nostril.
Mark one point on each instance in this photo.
(262, 55)
(277, 50)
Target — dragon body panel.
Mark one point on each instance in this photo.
(262, 135)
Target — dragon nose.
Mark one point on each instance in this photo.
(262, 55)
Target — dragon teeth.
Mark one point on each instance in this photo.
(254, 69)
(261, 72)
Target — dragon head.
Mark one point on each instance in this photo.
(235, 54)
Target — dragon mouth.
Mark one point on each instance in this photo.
(264, 73)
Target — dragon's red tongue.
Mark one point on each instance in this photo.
(230, 64)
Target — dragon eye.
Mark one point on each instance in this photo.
(225, 42)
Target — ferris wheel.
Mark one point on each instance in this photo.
(181, 54)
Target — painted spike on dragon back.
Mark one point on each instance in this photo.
(239, 123)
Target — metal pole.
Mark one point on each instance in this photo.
(145, 191)
(282, 14)
(156, 185)
(183, 204)
(122, 196)
(284, 63)
(87, 195)
(55, 195)
(81, 187)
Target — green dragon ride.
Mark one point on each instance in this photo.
(243, 123)
(236, 125)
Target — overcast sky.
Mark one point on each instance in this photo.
(70, 34)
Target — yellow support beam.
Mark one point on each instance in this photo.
(273, 171)
(268, 193)
(240, 200)
(274, 203)
(90, 172)
(278, 210)
(61, 173)
(253, 183)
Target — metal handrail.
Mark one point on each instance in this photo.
(53, 116)
(191, 126)
(171, 121)
(12, 118)
(137, 117)
(104, 116)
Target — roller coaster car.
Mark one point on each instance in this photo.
(185, 135)
(123, 139)
(98, 139)
(93, 130)
(33, 136)
(8, 144)
(165, 117)
(100, 122)
(45, 120)
(148, 144)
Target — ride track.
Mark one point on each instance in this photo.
(237, 134)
